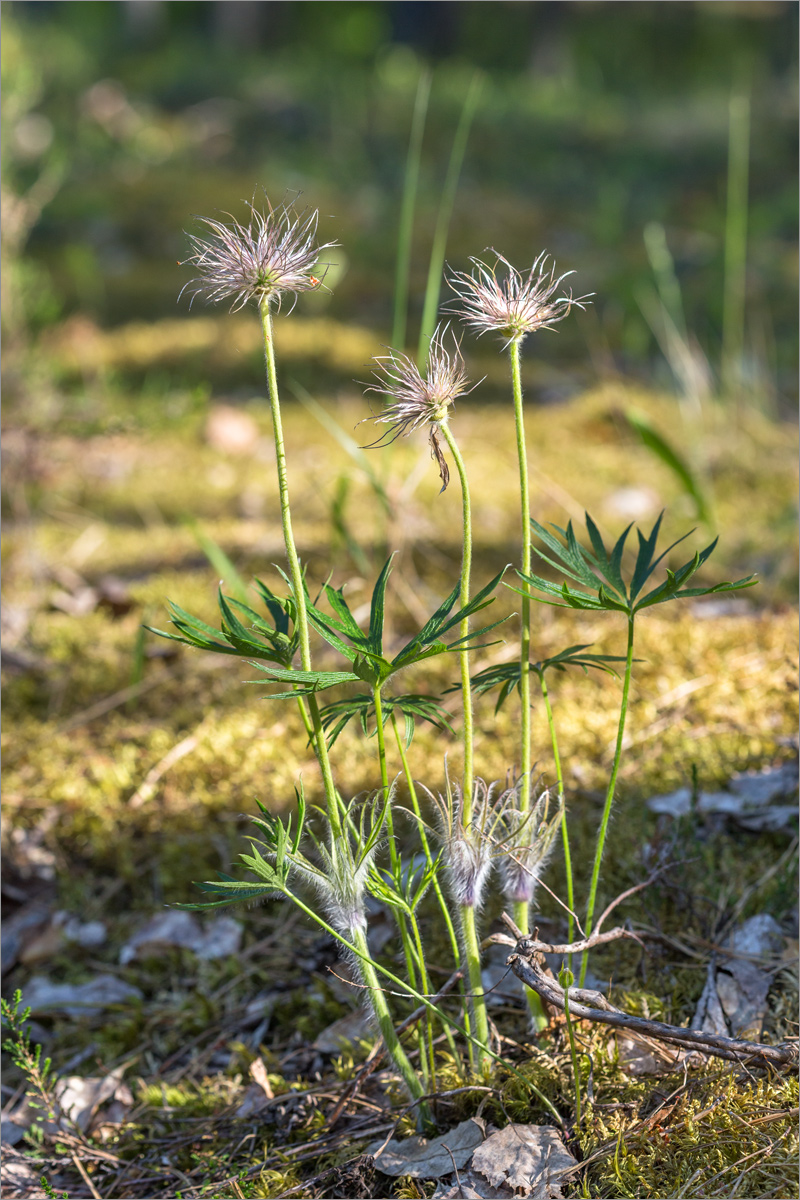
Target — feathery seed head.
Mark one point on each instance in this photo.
(511, 304)
(345, 865)
(526, 844)
(415, 401)
(469, 848)
(275, 252)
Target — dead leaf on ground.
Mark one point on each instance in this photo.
(62, 930)
(425, 1158)
(259, 1091)
(77, 1101)
(176, 928)
(527, 1158)
(734, 999)
(520, 1160)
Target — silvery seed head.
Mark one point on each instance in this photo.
(509, 303)
(346, 861)
(469, 843)
(416, 402)
(276, 252)
(527, 840)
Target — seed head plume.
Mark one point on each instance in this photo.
(526, 843)
(414, 401)
(469, 847)
(502, 299)
(274, 253)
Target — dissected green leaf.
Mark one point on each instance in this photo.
(597, 569)
(336, 716)
(305, 682)
(506, 676)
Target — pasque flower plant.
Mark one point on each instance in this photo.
(483, 831)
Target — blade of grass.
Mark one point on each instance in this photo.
(676, 462)
(220, 562)
(735, 240)
(439, 247)
(406, 229)
(332, 426)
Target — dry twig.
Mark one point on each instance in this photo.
(589, 1005)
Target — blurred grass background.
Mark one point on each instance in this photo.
(602, 132)
(650, 147)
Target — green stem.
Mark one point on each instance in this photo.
(521, 907)
(361, 951)
(426, 849)
(525, 616)
(394, 854)
(385, 1023)
(426, 1055)
(472, 952)
(295, 571)
(563, 977)
(564, 834)
(468, 782)
(423, 837)
(612, 783)
(472, 958)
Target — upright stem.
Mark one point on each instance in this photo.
(423, 837)
(468, 780)
(295, 572)
(394, 854)
(522, 907)
(385, 1022)
(472, 957)
(612, 783)
(437, 887)
(379, 733)
(560, 784)
(525, 616)
(472, 952)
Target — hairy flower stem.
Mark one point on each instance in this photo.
(612, 783)
(521, 907)
(566, 980)
(386, 1024)
(426, 849)
(560, 784)
(468, 780)
(472, 952)
(423, 837)
(295, 572)
(361, 952)
(413, 962)
(472, 957)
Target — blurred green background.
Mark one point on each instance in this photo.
(638, 142)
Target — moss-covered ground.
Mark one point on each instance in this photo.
(112, 473)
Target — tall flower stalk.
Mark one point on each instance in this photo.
(417, 402)
(513, 305)
(274, 254)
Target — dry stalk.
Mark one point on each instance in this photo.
(585, 1004)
